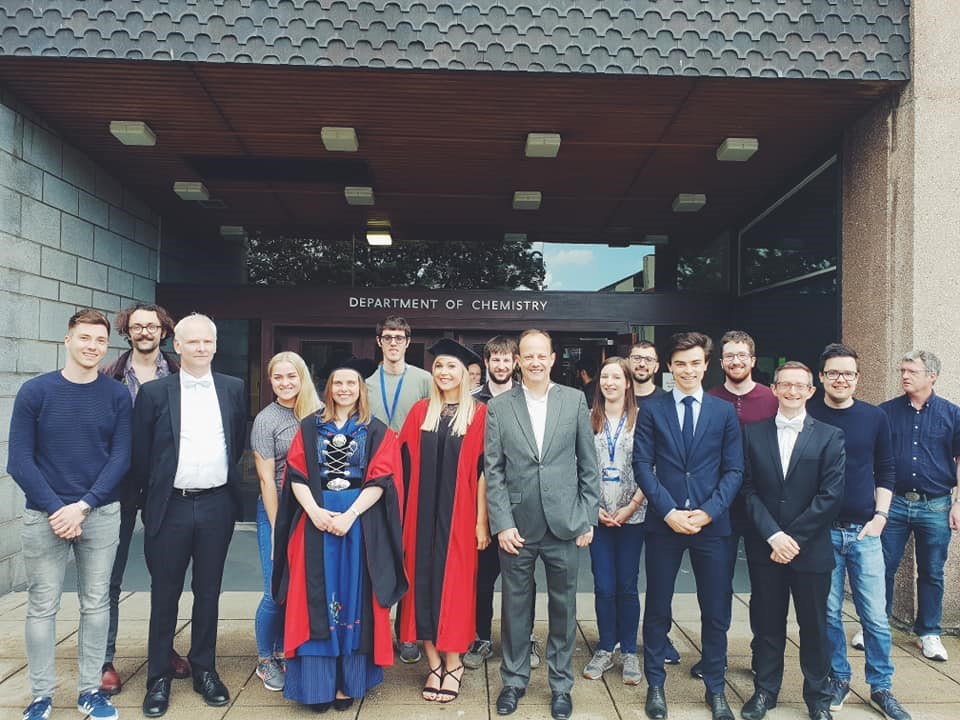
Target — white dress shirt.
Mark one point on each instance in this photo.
(678, 397)
(537, 409)
(203, 448)
(786, 441)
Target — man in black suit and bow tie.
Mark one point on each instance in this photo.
(189, 437)
(793, 485)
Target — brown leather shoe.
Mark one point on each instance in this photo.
(181, 666)
(110, 683)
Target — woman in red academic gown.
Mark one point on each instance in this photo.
(337, 549)
(445, 518)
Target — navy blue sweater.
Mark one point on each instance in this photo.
(869, 449)
(69, 441)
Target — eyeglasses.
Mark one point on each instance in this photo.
(393, 339)
(742, 357)
(643, 359)
(848, 375)
(793, 387)
(151, 328)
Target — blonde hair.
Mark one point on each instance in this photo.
(362, 407)
(467, 404)
(308, 402)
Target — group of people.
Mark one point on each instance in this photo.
(416, 490)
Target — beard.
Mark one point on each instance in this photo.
(640, 378)
(737, 374)
(507, 377)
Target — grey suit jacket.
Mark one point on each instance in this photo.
(560, 491)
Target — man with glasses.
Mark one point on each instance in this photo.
(868, 488)
(793, 484)
(753, 403)
(644, 364)
(926, 444)
(145, 327)
(393, 389)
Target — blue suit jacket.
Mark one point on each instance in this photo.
(709, 477)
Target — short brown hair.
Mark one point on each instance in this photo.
(501, 344)
(394, 322)
(640, 344)
(687, 341)
(123, 319)
(738, 336)
(88, 316)
(792, 365)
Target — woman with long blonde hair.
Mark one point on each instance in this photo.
(445, 518)
(273, 431)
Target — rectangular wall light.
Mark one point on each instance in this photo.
(358, 195)
(379, 238)
(527, 200)
(656, 239)
(689, 202)
(191, 190)
(133, 132)
(339, 139)
(542, 145)
(232, 231)
(737, 149)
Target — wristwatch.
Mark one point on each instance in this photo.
(882, 513)
(84, 508)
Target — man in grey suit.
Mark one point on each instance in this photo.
(543, 489)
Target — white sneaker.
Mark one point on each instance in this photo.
(932, 648)
(856, 642)
(535, 654)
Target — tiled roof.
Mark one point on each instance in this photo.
(857, 39)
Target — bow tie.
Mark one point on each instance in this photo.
(192, 384)
(796, 424)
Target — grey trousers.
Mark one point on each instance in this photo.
(45, 556)
(561, 560)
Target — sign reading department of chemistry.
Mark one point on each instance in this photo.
(450, 303)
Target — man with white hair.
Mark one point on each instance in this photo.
(188, 439)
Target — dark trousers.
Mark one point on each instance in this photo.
(128, 521)
(710, 557)
(195, 529)
(488, 570)
(561, 560)
(772, 586)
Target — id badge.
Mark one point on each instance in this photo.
(610, 474)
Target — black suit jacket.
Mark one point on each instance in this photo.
(156, 440)
(803, 504)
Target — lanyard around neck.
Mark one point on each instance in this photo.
(392, 408)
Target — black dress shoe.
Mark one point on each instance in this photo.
(561, 706)
(508, 698)
(656, 705)
(209, 686)
(320, 707)
(758, 704)
(717, 702)
(342, 703)
(821, 715)
(157, 699)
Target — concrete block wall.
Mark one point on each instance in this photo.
(70, 236)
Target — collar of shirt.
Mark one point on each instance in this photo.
(802, 417)
(187, 377)
(678, 396)
(530, 397)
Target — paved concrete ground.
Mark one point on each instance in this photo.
(931, 691)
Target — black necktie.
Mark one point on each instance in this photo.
(687, 429)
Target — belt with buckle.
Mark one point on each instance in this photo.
(197, 493)
(914, 496)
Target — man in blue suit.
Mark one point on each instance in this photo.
(688, 460)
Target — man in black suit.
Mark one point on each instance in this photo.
(189, 435)
(793, 487)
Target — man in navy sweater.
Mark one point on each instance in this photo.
(857, 551)
(69, 448)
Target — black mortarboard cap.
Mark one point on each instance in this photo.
(446, 346)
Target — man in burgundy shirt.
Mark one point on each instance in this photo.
(753, 402)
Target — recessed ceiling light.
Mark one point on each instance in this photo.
(689, 202)
(191, 190)
(542, 145)
(527, 200)
(133, 132)
(380, 238)
(232, 231)
(737, 149)
(656, 239)
(358, 195)
(339, 139)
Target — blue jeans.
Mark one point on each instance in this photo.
(862, 562)
(930, 523)
(268, 622)
(45, 556)
(615, 559)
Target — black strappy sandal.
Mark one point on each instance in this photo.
(427, 689)
(450, 695)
